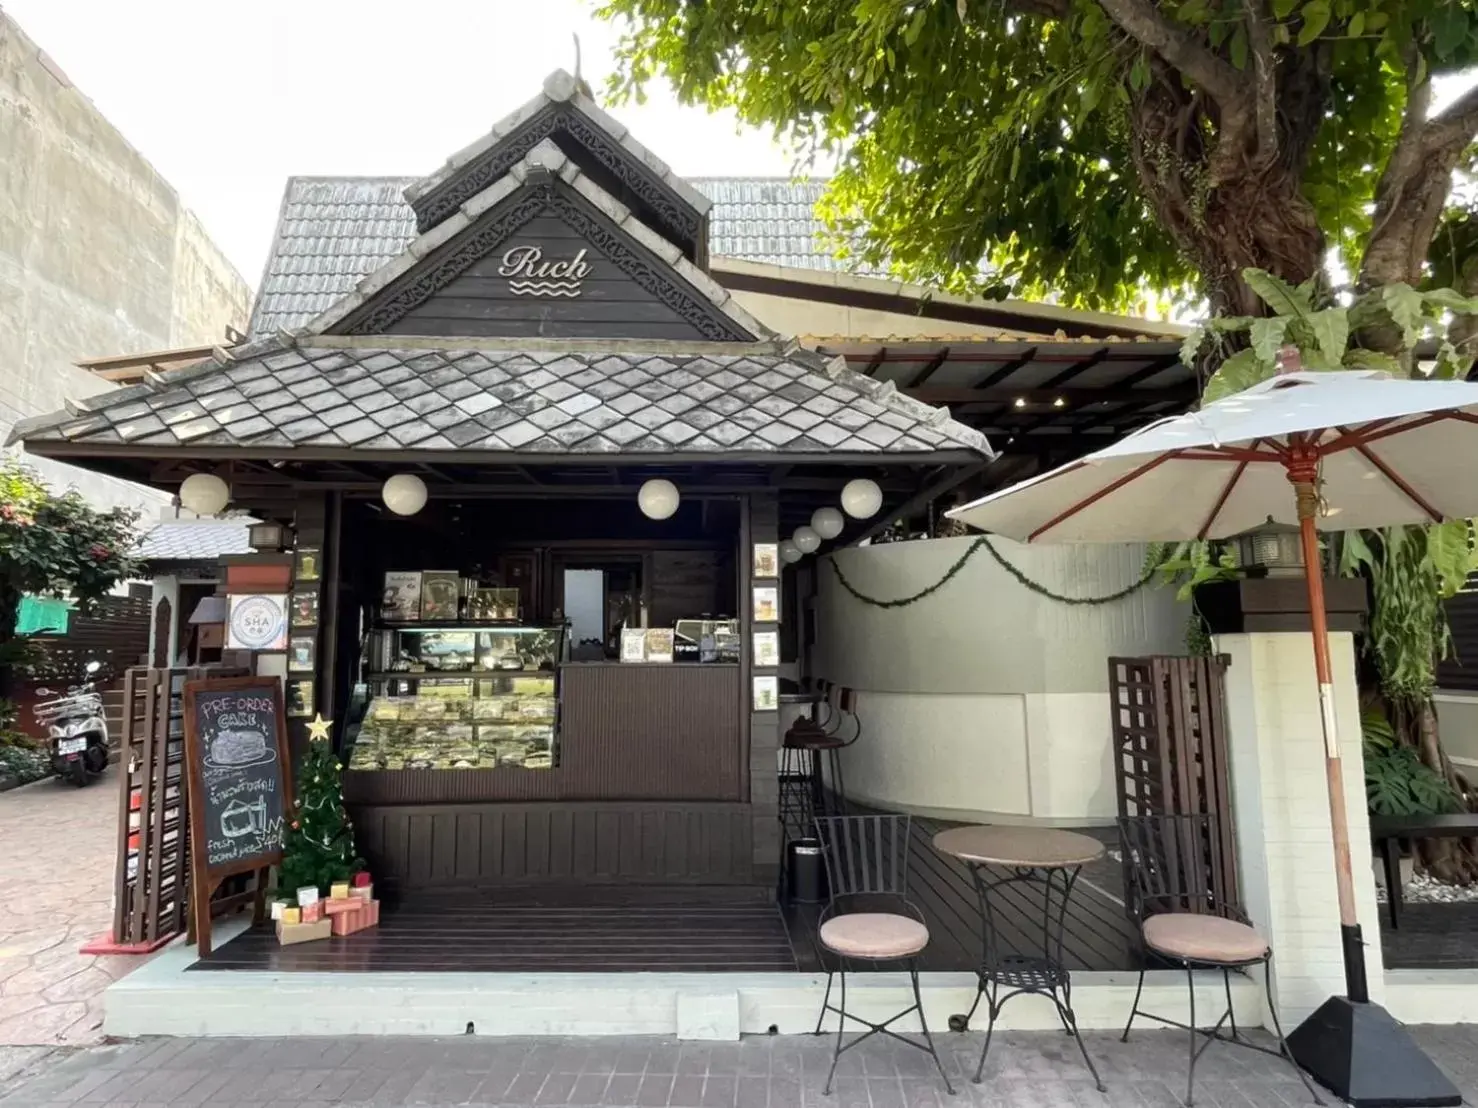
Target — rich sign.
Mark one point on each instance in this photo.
(530, 275)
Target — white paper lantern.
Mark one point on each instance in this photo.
(805, 539)
(658, 499)
(205, 494)
(790, 553)
(862, 498)
(404, 494)
(827, 522)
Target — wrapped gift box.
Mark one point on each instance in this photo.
(290, 915)
(312, 913)
(347, 923)
(334, 906)
(362, 892)
(338, 890)
(290, 933)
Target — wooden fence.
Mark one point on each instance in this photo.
(152, 872)
(1170, 751)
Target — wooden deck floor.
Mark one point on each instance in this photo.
(672, 929)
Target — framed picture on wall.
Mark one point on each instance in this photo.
(300, 698)
(766, 559)
(766, 604)
(305, 608)
(302, 653)
(633, 644)
(305, 564)
(766, 694)
(767, 648)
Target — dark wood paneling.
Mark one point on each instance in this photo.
(590, 930)
(626, 732)
(609, 304)
(463, 846)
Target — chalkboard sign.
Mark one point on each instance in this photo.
(240, 783)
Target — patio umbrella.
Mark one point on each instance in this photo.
(1332, 451)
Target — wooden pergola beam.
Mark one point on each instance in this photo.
(1048, 397)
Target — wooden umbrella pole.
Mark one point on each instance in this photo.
(1353, 945)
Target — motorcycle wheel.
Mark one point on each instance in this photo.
(77, 772)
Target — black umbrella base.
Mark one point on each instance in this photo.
(1362, 1055)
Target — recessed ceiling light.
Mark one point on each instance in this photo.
(1021, 402)
(1059, 403)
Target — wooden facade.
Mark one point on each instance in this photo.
(549, 342)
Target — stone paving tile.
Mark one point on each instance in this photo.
(58, 897)
(1026, 1070)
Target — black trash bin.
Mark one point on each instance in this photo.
(805, 871)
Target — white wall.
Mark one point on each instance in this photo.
(987, 700)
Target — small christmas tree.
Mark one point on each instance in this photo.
(318, 848)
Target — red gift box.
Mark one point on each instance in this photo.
(367, 915)
(359, 880)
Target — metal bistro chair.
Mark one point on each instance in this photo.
(869, 918)
(1183, 919)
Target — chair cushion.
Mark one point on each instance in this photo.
(1198, 938)
(874, 935)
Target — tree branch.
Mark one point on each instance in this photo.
(1457, 123)
(1264, 80)
(1142, 21)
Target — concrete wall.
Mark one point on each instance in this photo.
(97, 254)
(986, 700)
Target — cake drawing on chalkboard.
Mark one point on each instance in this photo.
(239, 818)
(238, 748)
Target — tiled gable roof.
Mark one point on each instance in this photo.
(526, 399)
(334, 231)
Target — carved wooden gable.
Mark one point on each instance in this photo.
(564, 115)
(553, 256)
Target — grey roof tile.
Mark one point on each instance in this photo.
(191, 540)
(595, 402)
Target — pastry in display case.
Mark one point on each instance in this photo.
(446, 698)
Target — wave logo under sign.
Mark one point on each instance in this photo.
(529, 274)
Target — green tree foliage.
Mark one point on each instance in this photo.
(1094, 149)
(318, 848)
(54, 544)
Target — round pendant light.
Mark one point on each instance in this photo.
(805, 539)
(861, 498)
(790, 553)
(205, 494)
(658, 499)
(404, 494)
(827, 522)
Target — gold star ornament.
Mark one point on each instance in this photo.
(318, 727)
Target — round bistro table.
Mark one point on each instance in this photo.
(1040, 859)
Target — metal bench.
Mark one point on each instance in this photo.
(1386, 833)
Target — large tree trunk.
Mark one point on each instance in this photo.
(1231, 207)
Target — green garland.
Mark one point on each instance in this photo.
(984, 543)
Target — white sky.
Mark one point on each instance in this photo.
(229, 98)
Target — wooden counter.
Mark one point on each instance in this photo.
(651, 787)
(626, 732)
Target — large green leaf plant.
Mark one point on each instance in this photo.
(1411, 569)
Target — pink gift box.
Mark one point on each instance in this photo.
(347, 923)
(342, 904)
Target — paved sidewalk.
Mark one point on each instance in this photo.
(56, 883)
(1032, 1070)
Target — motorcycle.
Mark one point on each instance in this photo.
(78, 730)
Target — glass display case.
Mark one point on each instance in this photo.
(460, 697)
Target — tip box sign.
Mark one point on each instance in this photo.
(530, 275)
